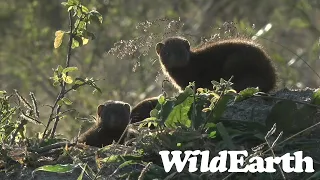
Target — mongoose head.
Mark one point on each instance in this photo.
(114, 114)
(174, 52)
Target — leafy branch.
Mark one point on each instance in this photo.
(78, 36)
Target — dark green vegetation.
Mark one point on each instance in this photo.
(38, 36)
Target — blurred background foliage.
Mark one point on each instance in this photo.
(122, 56)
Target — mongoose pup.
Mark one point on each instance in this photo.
(243, 59)
(112, 120)
(142, 110)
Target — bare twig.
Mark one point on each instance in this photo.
(144, 171)
(51, 146)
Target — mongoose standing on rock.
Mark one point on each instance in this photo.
(243, 59)
(112, 119)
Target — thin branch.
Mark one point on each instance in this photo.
(62, 85)
(63, 89)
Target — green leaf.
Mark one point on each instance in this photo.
(179, 114)
(213, 134)
(73, 2)
(150, 121)
(128, 163)
(78, 82)
(166, 110)
(220, 106)
(59, 69)
(75, 44)
(60, 102)
(188, 92)
(67, 79)
(112, 159)
(79, 13)
(84, 41)
(71, 7)
(58, 39)
(211, 125)
(77, 41)
(59, 168)
(197, 112)
(96, 17)
(84, 9)
(69, 69)
(154, 113)
(316, 97)
(82, 25)
(120, 158)
(93, 84)
(162, 100)
(55, 77)
(246, 93)
(66, 101)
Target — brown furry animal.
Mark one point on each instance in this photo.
(142, 110)
(112, 120)
(245, 60)
(249, 64)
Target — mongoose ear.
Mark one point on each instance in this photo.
(128, 106)
(159, 46)
(99, 110)
(188, 44)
